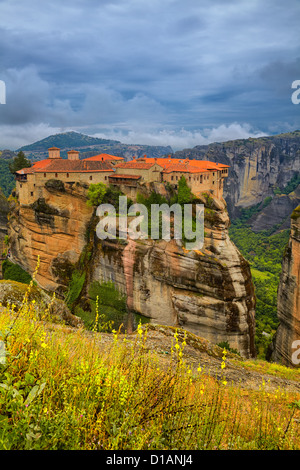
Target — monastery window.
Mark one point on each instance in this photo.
(67, 175)
(45, 174)
(105, 177)
(201, 179)
(31, 194)
(91, 177)
(172, 177)
(176, 178)
(190, 178)
(56, 175)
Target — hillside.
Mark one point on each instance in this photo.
(67, 140)
(89, 146)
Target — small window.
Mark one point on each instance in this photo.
(105, 177)
(31, 194)
(67, 175)
(56, 175)
(45, 174)
(91, 177)
(201, 179)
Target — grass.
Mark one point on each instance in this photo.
(59, 390)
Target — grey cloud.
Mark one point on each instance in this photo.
(168, 64)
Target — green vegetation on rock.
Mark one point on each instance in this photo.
(264, 251)
(14, 272)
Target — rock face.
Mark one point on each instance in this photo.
(276, 213)
(53, 228)
(4, 209)
(12, 292)
(208, 292)
(288, 300)
(257, 166)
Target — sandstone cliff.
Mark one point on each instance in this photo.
(208, 292)
(288, 300)
(4, 209)
(53, 228)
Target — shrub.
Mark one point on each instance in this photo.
(96, 193)
(184, 192)
(14, 272)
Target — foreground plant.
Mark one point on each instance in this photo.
(59, 390)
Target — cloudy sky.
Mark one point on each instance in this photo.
(160, 72)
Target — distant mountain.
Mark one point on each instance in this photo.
(7, 154)
(89, 146)
(66, 140)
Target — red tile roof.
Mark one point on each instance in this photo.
(184, 168)
(135, 164)
(68, 166)
(202, 164)
(104, 157)
(25, 171)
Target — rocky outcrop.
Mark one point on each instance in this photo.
(208, 292)
(54, 228)
(4, 209)
(257, 166)
(13, 293)
(287, 339)
(277, 213)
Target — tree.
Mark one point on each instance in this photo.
(19, 162)
(96, 194)
(184, 192)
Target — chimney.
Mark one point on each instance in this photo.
(54, 152)
(73, 155)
